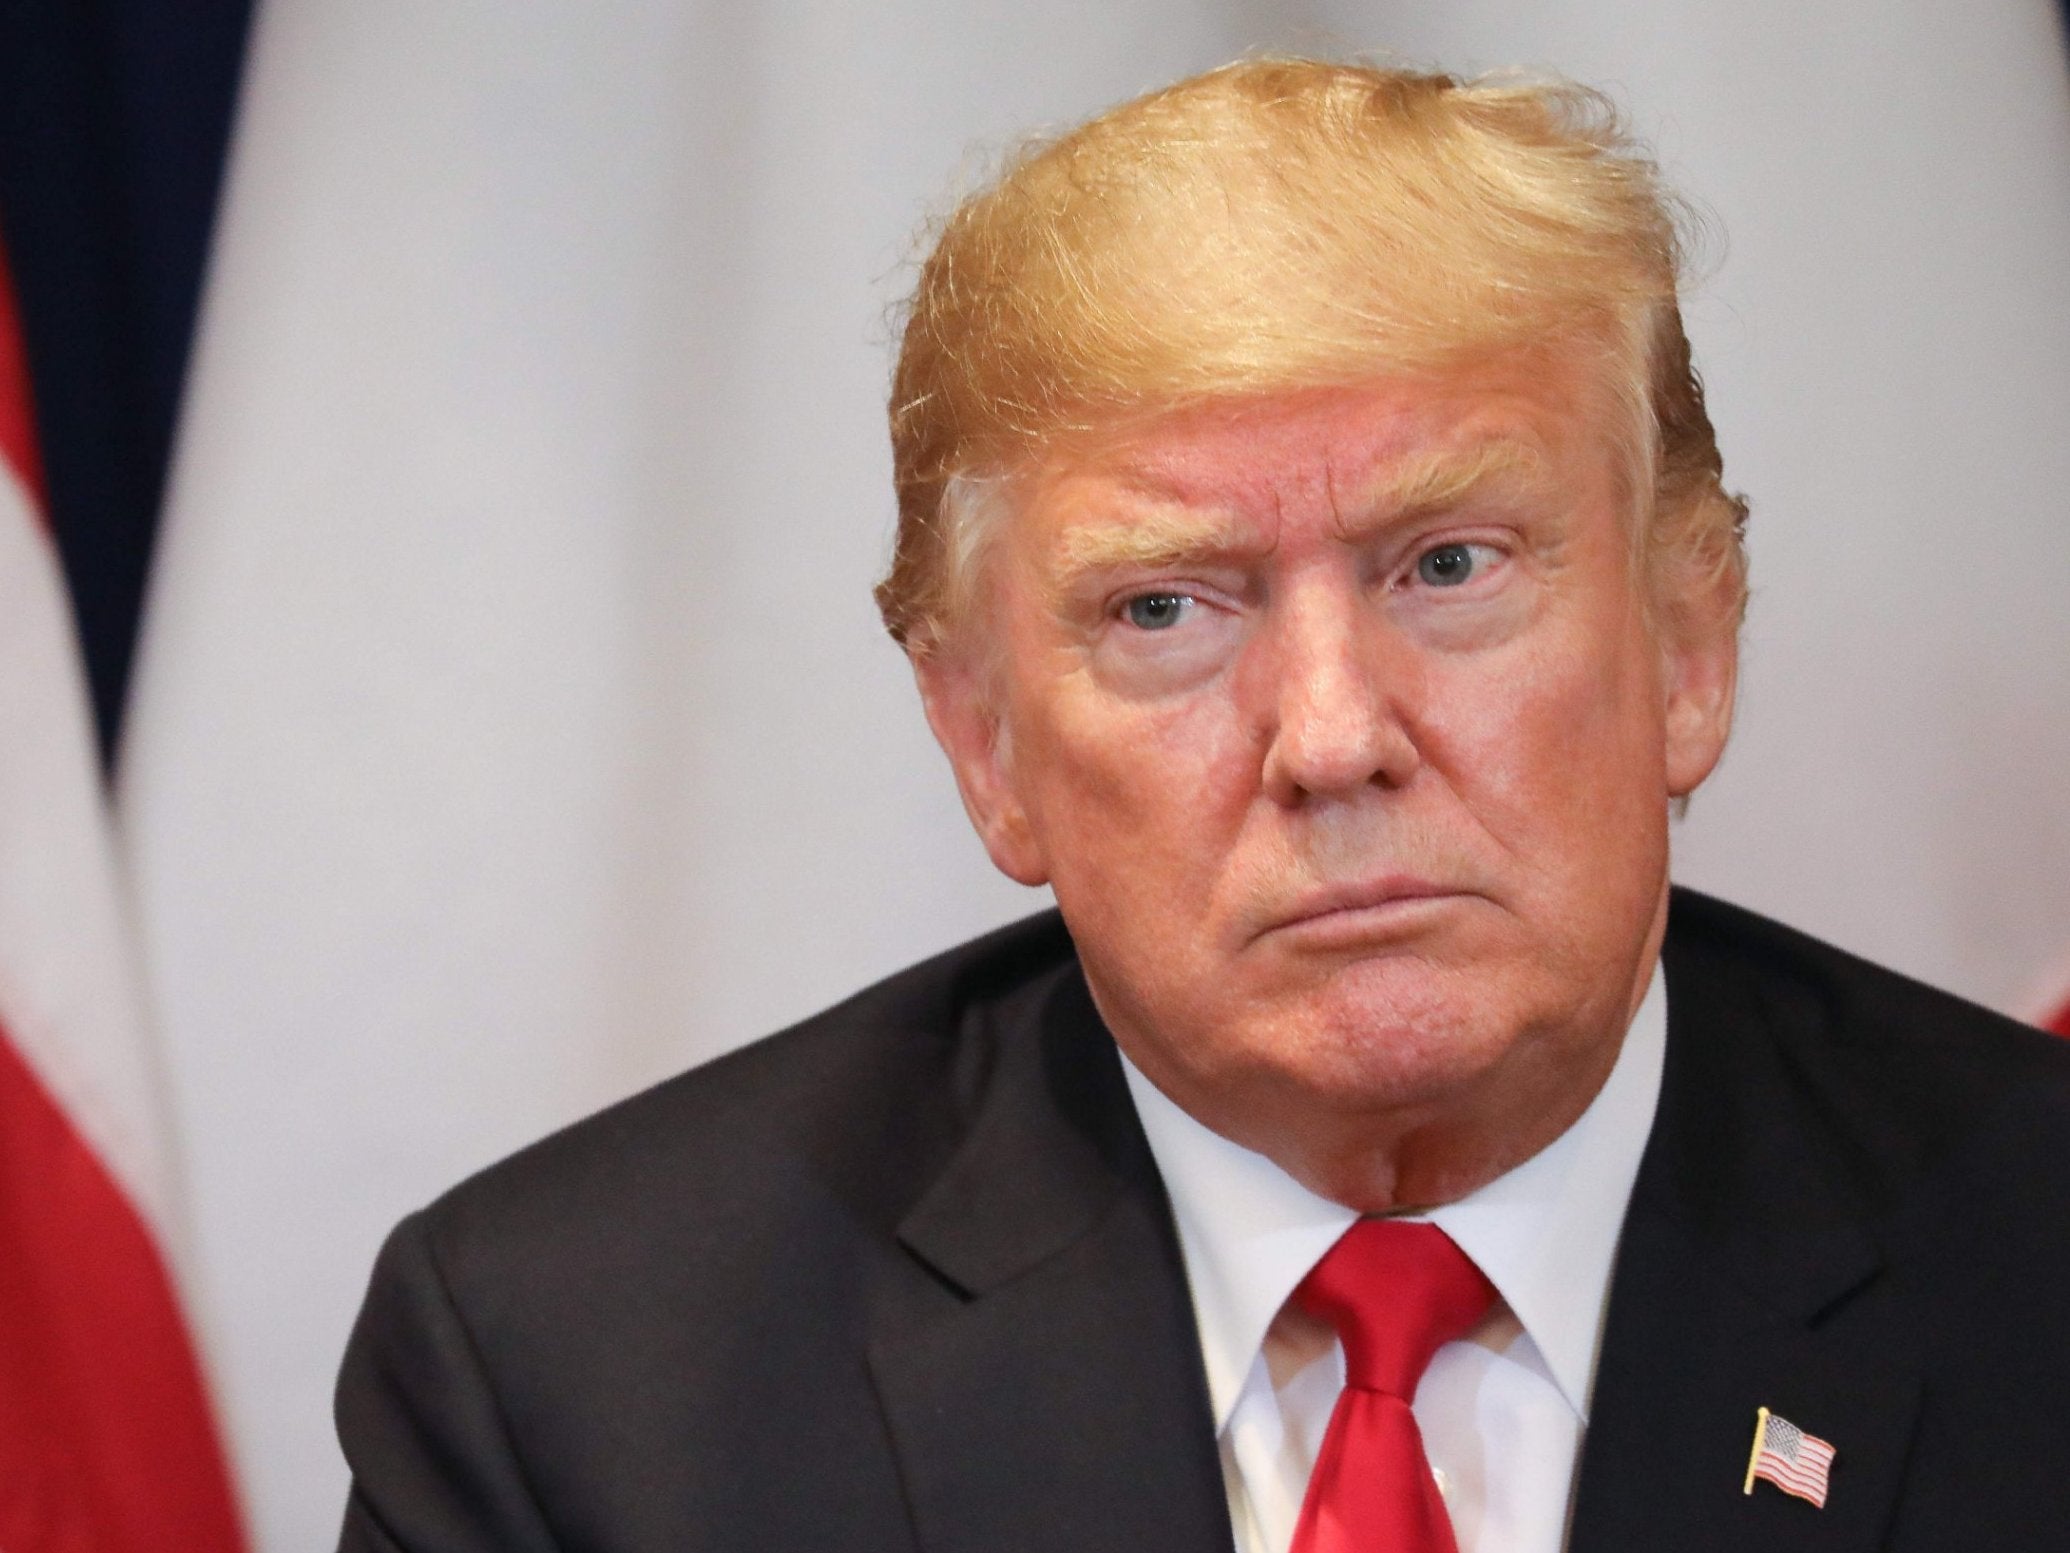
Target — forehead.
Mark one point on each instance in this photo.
(1348, 456)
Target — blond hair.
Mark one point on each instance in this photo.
(1281, 224)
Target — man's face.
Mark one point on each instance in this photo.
(1337, 724)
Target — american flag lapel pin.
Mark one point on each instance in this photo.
(1795, 1462)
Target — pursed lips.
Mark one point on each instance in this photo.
(1361, 905)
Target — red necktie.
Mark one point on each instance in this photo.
(1396, 1293)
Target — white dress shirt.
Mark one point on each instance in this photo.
(1502, 1411)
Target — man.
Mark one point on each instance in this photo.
(1315, 565)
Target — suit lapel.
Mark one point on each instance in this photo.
(1690, 1353)
(1055, 1400)
(1746, 1277)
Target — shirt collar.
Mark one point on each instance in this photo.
(1545, 1233)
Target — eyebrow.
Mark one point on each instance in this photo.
(1173, 534)
(1445, 477)
(1165, 536)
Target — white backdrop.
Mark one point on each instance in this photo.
(514, 727)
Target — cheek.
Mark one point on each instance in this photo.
(1562, 746)
(1124, 794)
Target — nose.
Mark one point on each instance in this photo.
(1335, 706)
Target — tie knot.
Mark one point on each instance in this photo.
(1396, 1293)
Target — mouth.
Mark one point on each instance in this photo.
(1363, 911)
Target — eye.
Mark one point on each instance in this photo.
(1451, 565)
(1157, 611)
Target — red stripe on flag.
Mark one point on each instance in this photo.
(105, 1438)
(107, 1444)
(17, 418)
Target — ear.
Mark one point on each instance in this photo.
(967, 724)
(1702, 678)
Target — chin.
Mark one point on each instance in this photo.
(1412, 1046)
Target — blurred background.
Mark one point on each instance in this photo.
(462, 426)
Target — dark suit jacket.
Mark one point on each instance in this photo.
(904, 1277)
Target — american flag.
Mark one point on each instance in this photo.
(1795, 1462)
